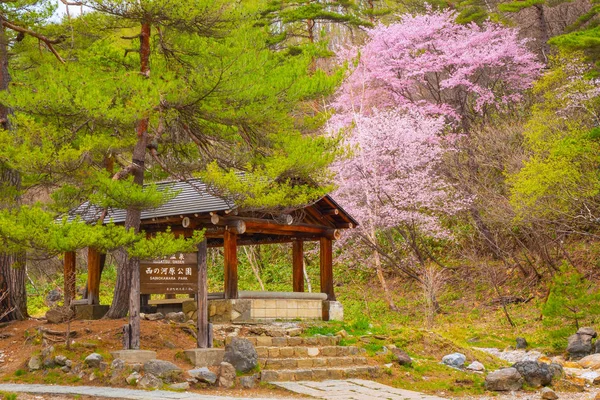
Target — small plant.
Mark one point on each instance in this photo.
(20, 372)
(8, 396)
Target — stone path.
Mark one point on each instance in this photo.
(115, 393)
(352, 389)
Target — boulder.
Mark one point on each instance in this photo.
(154, 317)
(49, 362)
(580, 345)
(93, 360)
(592, 361)
(241, 354)
(203, 375)
(61, 360)
(521, 343)
(557, 371)
(226, 375)
(454, 360)
(505, 379)
(117, 364)
(597, 347)
(536, 374)
(35, 363)
(180, 386)
(548, 394)
(149, 381)
(52, 297)
(476, 366)
(586, 330)
(59, 315)
(176, 317)
(65, 369)
(401, 357)
(133, 378)
(248, 382)
(162, 369)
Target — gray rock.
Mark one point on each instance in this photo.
(536, 374)
(548, 394)
(454, 360)
(521, 343)
(180, 386)
(476, 366)
(117, 364)
(155, 316)
(49, 363)
(65, 369)
(59, 315)
(69, 363)
(103, 366)
(52, 297)
(176, 317)
(505, 379)
(47, 351)
(226, 375)
(556, 370)
(401, 357)
(162, 369)
(580, 345)
(203, 375)
(586, 330)
(149, 381)
(133, 378)
(248, 382)
(61, 360)
(597, 347)
(93, 360)
(35, 363)
(241, 354)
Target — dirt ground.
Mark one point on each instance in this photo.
(19, 340)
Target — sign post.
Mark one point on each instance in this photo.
(177, 274)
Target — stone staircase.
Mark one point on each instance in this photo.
(297, 358)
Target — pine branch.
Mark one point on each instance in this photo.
(49, 42)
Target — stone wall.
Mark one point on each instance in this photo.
(271, 309)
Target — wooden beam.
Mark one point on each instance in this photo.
(94, 261)
(202, 297)
(69, 275)
(331, 211)
(231, 265)
(326, 263)
(298, 265)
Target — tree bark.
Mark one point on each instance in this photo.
(381, 277)
(12, 266)
(127, 289)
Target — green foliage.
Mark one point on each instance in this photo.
(164, 244)
(572, 298)
(560, 177)
(517, 6)
(8, 396)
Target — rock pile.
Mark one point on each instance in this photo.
(580, 344)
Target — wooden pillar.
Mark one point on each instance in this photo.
(95, 263)
(231, 267)
(326, 261)
(298, 265)
(202, 297)
(70, 268)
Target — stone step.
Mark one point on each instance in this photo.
(316, 362)
(305, 351)
(319, 374)
(267, 341)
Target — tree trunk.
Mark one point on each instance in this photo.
(381, 277)
(127, 288)
(544, 34)
(12, 270)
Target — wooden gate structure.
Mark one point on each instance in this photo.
(195, 207)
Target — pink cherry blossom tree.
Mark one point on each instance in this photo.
(432, 64)
(392, 185)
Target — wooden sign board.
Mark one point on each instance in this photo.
(170, 275)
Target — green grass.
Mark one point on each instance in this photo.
(8, 396)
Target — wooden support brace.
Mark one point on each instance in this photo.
(298, 265)
(231, 265)
(326, 263)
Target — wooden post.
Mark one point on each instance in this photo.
(134, 304)
(70, 268)
(298, 265)
(95, 261)
(231, 267)
(202, 297)
(326, 261)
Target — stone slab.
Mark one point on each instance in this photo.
(88, 311)
(134, 356)
(205, 357)
(333, 311)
